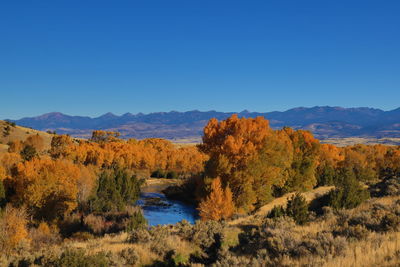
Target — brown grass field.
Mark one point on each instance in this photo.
(19, 133)
(379, 249)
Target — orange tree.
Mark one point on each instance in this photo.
(47, 187)
(233, 145)
(218, 205)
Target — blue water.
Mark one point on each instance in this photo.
(171, 212)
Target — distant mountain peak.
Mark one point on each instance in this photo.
(108, 115)
(323, 121)
(51, 115)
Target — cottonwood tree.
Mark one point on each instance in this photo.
(218, 204)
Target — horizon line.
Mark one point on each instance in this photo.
(196, 110)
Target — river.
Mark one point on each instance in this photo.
(158, 209)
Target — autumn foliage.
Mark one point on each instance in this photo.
(218, 205)
(232, 146)
(49, 188)
(70, 176)
(241, 165)
(148, 154)
(13, 229)
(259, 163)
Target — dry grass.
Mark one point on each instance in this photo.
(379, 249)
(3, 148)
(115, 244)
(187, 141)
(280, 201)
(118, 242)
(158, 184)
(361, 140)
(376, 249)
(19, 133)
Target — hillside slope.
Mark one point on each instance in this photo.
(9, 133)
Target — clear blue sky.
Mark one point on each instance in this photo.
(90, 57)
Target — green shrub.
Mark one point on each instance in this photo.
(297, 208)
(6, 131)
(390, 222)
(349, 193)
(140, 236)
(388, 186)
(78, 258)
(115, 190)
(11, 123)
(172, 175)
(95, 224)
(323, 245)
(326, 176)
(206, 233)
(70, 224)
(136, 221)
(276, 212)
(180, 259)
(28, 152)
(82, 236)
(158, 174)
(352, 232)
(130, 256)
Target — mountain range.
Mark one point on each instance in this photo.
(324, 122)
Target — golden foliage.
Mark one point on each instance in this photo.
(233, 145)
(48, 187)
(330, 155)
(3, 173)
(13, 229)
(218, 205)
(85, 182)
(234, 138)
(104, 136)
(34, 140)
(9, 161)
(148, 154)
(59, 145)
(305, 160)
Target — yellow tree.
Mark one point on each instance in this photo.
(13, 229)
(305, 160)
(48, 187)
(60, 145)
(270, 167)
(104, 136)
(236, 139)
(9, 161)
(3, 173)
(232, 145)
(218, 205)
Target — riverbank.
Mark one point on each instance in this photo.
(157, 185)
(160, 210)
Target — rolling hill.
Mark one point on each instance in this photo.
(9, 132)
(325, 122)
